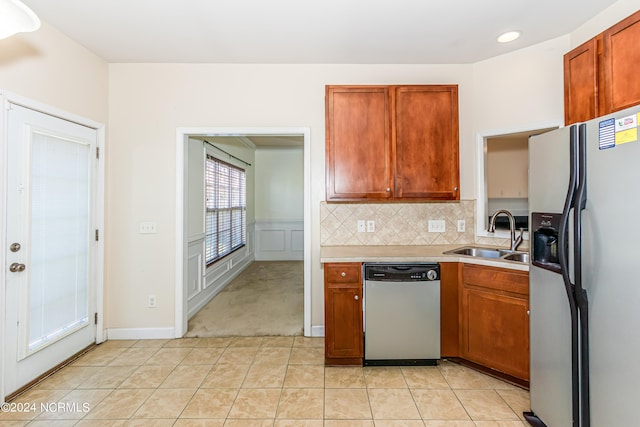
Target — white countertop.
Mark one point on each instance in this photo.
(409, 253)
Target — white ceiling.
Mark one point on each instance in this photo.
(310, 31)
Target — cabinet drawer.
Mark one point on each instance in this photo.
(342, 273)
(498, 279)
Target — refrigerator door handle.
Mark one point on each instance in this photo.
(563, 257)
(563, 232)
(579, 291)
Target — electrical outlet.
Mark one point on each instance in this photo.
(371, 226)
(437, 226)
(147, 228)
(152, 301)
(361, 226)
(461, 225)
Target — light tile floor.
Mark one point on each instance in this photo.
(259, 382)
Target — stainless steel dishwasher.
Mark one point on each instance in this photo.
(401, 314)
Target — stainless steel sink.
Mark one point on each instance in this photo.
(518, 256)
(490, 253)
(477, 252)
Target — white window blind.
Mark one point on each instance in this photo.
(59, 263)
(226, 209)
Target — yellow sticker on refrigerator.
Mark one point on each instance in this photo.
(629, 135)
(626, 129)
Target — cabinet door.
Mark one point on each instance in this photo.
(621, 48)
(343, 314)
(425, 132)
(344, 319)
(358, 147)
(581, 100)
(495, 331)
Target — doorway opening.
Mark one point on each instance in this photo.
(503, 174)
(253, 149)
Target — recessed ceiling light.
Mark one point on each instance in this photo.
(509, 36)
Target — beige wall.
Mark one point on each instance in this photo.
(520, 89)
(46, 66)
(279, 184)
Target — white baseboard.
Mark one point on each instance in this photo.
(140, 333)
(317, 331)
(166, 333)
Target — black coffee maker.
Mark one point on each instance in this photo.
(545, 228)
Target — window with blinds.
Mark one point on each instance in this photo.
(226, 208)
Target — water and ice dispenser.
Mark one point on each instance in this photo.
(545, 228)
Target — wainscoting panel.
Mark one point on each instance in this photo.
(195, 266)
(279, 241)
(214, 278)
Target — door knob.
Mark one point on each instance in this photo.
(16, 268)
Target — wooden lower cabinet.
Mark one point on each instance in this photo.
(494, 329)
(344, 339)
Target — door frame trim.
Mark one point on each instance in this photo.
(182, 136)
(7, 98)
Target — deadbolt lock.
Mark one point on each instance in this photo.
(16, 268)
(15, 247)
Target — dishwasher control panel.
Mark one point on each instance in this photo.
(402, 272)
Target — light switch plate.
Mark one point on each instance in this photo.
(148, 228)
(437, 226)
(361, 226)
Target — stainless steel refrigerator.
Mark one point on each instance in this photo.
(584, 204)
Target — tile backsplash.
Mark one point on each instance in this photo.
(400, 224)
(396, 223)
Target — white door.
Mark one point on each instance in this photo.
(50, 243)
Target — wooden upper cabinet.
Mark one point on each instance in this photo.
(600, 76)
(581, 100)
(358, 149)
(425, 129)
(621, 47)
(392, 143)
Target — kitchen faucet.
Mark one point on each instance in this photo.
(515, 242)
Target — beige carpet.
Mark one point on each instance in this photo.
(265, 299)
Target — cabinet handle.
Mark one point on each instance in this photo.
(344, 274)
(455, 188)
(356, 297)
(388, 189)
(528, 312)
